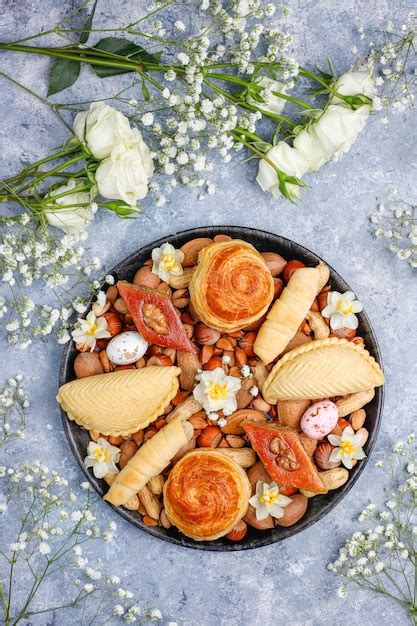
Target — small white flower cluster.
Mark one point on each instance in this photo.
(13, 404)
(199, 112)
(396, 221)
(31, 255)
(381, 558)
(54, 528)
(395, 61)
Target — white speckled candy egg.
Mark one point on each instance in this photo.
(126, 348)
(319, 419)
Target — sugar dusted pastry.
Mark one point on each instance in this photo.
(322, 369)
(149, 461)
(206, 495)
(232, 286)
(119, 403)
(288, 312)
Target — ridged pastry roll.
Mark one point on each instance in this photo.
(287, 313)
(149, 461)
(206, 495)
(232, 286)
(119, 403)
(322, 369)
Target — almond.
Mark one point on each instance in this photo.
(189, 364)
(274, 261)
(192, 248)
(205, 335)
(357, 419)
(128, 450)
(247, 343)
(243, 396)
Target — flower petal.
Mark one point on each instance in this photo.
(262, 512)
(351, 321)
(357, 306)
(100, 470)
(347, 461)
(335, 456)
(335, 440)
(337, 321)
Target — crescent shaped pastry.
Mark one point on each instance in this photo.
(322, 369)
(149, 461)
(206, 495)
(232, 286)
(119, 403)
(288, 312)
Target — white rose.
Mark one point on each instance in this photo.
(275, 104)
(71, 220)
(331, 135)
(354, 84)
(288, 161)
(102, 128)
(125, 174)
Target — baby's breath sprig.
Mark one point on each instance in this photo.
(56, 527)
(13, 405)
(396, 221)
(383, 558)
(396, 62)
(31, 255)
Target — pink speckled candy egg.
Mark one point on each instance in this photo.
(319, 419)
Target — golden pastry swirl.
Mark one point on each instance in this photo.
(232, 286)
(206, 495)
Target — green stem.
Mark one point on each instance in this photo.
(52, 172)
(4, 605)
(60, 53)
(36, 164)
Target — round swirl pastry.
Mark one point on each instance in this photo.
(206, 495)
(232, 286)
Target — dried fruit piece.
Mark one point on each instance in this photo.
(304, 476)
(136, 298)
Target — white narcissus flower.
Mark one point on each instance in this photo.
(102, 457)
(216, 391)
(268, 501)
(331, 135)
(76, 218)
(341, 309)
(89, 330)
(274, 104)
(124, 175)
(101, 305)
(102, 128)
(348, 447)
(353, 84)
(167, 261)
(289, 161)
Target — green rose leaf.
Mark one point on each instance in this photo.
(123, 48)
(62, 75)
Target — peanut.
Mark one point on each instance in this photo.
(182, 282)
(163, 518)
(235, 441)
(132, 504)
(354, 402)
(150, 502)
(260, 374)
(332, 479)
(156, 484)
(186, 409)
(245, 457)
(235, 421)
(318, 325)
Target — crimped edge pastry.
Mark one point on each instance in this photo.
(119, 403)
(339, 368)
(196, 508)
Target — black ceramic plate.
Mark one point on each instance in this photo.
(318, 506)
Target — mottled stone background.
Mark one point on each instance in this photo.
(288, 583)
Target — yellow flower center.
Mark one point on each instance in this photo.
(169, 262)
(101, 455)
(269, 497)
(345, 307)
(347, 448)
(217, 391)
(92, 329)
